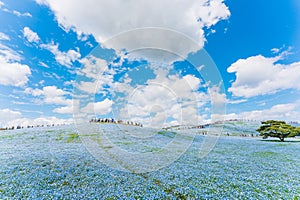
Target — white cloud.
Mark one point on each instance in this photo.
(17, 13)
(166, 99)
(7, 115)
(50, 95)
(89, 87)
(63, 58)
(94, 75)
(238, 101)
(92, 67)
(33, 92)
(71, 107)
(12, 72)
(259, 75)
(163, 98)
(280, 112)
(9, 118)
(192, 81)
(43, 64)
(187, 17)
(217, 98)
(38, 121)
(275, 50)
(55, 96)
(30, 35)
(64, 110)
(8, 54)
(3, 36)
(101, 107)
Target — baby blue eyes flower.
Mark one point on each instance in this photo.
(44, 165)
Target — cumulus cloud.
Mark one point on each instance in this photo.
(55, 96)
(109, 18)
(30, 35)
(3, 36)
(50, 94)
(38, 121)
(12, 72)
(217, 97)
(7, 115)
(94, 75)
(92, 67)
(286, 111)
(167, 99)
(259, 75)
(9, 118)
(64, 110)
(100, 107)
(87, 86)
(71, 107)
(95, 86)
(63, 58)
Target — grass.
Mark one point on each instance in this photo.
(167, 133)
(73, 137)
(59, 137)
(12, 135)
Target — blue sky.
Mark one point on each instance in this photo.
(69, 58)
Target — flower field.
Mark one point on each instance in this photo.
(53, 163)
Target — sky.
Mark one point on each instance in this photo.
(159, 63)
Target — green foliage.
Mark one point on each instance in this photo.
(167, 133)
(298, 130)
(72, 137)
(279, 129)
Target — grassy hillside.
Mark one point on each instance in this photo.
(237, 128)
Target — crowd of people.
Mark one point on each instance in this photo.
(29, 126)
(115, 121)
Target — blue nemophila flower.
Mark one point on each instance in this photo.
(50, 167)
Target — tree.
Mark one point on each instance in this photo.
(298, 131)
(279, 129)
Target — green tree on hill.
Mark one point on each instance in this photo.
(279, 129)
